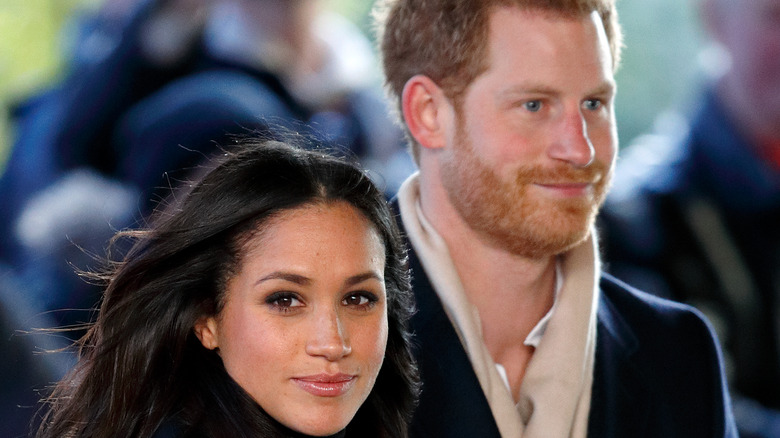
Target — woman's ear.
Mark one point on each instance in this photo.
(206, 330)
(426, 111)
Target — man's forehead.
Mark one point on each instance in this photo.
(550, 14)
(511, 28)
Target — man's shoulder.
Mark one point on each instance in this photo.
(626, 298)
(656, 359)
(649, 319)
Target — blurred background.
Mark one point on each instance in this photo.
(662, 61)
(101, 87)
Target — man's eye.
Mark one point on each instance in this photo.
(533, 105)
(592, 104)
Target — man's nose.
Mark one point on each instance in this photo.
(328, 337)
(571, 142)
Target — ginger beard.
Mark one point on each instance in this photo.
(505, 215)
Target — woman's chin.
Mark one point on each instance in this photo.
(323, 430)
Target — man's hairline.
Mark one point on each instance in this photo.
(456, 100)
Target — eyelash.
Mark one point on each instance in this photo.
(274, 300)
(539, 105)
(533, 106)
(371, 300)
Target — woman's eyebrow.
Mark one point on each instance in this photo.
(286, 276)
(303, 280)
(351, 281)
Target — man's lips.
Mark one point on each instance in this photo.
(568, 189)
(326, 385)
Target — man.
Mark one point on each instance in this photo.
(707, 199)
(508, 109)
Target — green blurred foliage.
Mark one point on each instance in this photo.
(32, 46)
(356, 10)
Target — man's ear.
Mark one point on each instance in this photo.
(426, 110)
(206, 330)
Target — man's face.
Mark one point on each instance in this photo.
(532, 152)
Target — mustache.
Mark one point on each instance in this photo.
(562, 174)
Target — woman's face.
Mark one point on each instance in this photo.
(304, 324)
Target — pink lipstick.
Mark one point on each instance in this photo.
(326, 385)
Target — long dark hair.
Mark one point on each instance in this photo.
(140, 365)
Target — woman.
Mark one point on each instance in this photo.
(259, 306)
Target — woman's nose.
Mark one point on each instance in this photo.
(328, 337)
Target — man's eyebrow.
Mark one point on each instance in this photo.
(606, 87)
(529, 88)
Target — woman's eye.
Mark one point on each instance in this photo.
(533, 105)
(283, 300)
(362, 299)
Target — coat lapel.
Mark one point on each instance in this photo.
(621, 403)
(452, 403)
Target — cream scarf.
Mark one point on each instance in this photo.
(556, 390)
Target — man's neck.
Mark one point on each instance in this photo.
(511, 293)
(489, 274)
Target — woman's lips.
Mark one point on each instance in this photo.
(326, 385)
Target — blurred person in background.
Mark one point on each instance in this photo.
(24, 370)
(695, 211)
(153, 86)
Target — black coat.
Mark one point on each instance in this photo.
(695, 218)
(658, 370)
